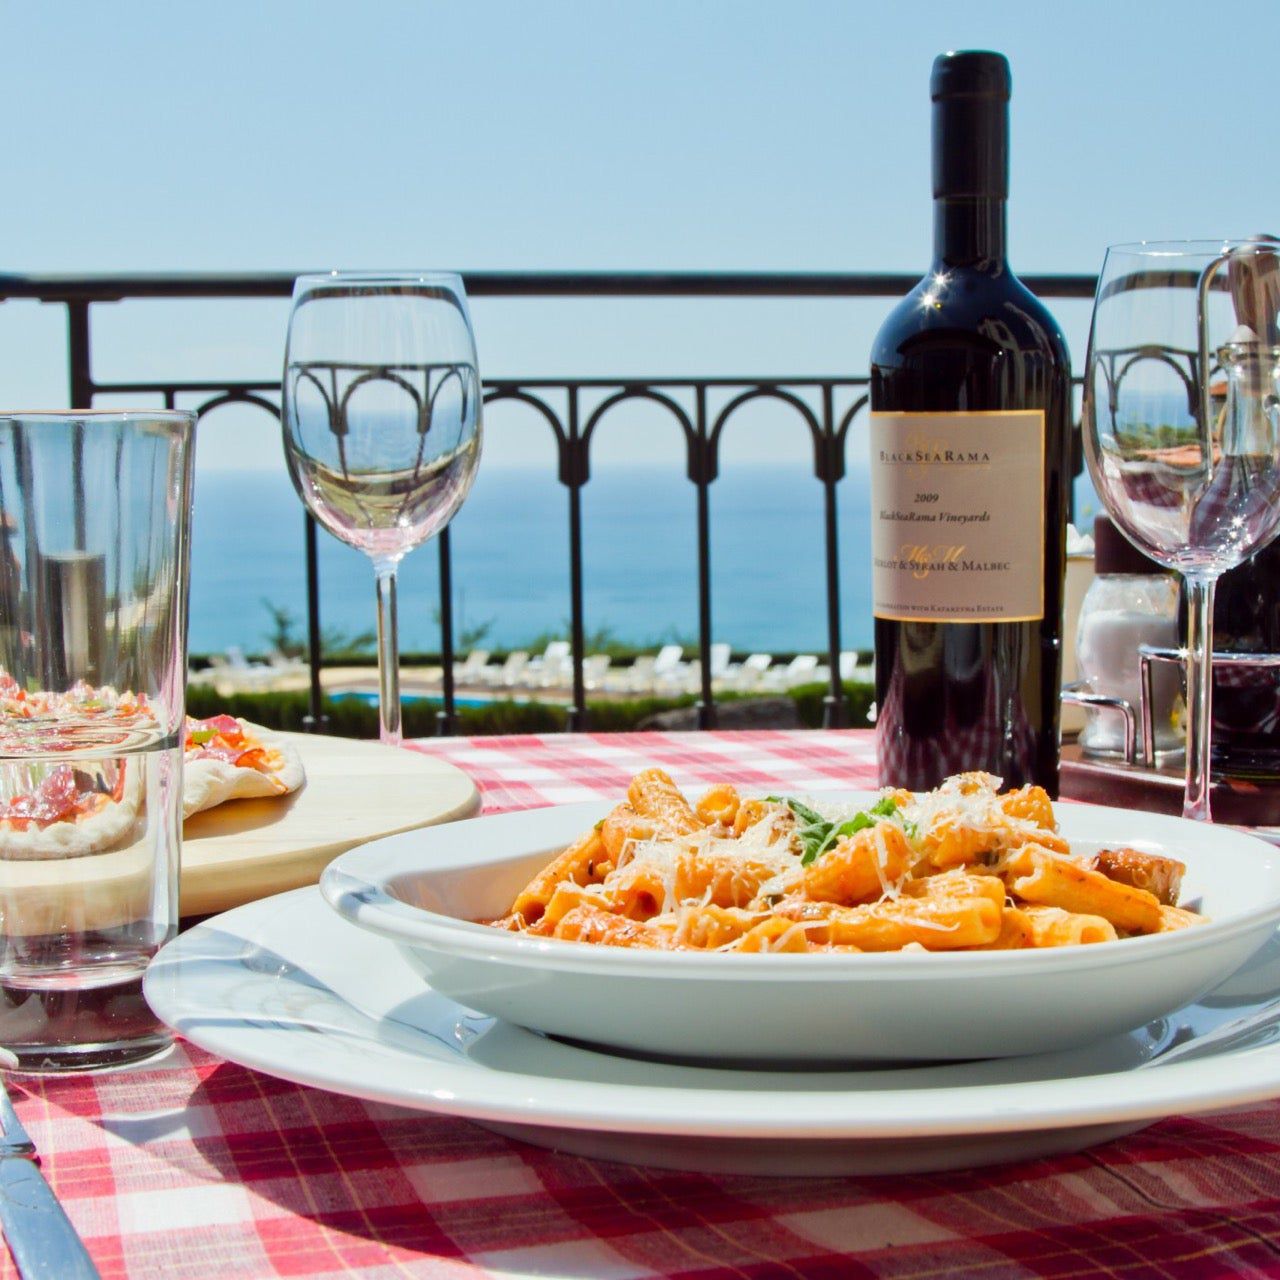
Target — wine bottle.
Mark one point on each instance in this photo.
(1246, 600)
(1246, 699)
(970, 401)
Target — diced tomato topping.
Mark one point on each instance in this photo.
(223, 738)
(227, 728)
(56, 798)
(251, 758)
(254, 758)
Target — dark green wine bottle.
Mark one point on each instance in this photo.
(970, 410)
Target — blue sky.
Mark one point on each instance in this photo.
(698, 134)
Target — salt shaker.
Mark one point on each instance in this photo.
(1132, 601)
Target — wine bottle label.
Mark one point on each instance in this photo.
(957, 516)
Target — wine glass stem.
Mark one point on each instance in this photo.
(1195, 802)
(388, 654)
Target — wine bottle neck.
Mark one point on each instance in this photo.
(970, 93)
(969, 231)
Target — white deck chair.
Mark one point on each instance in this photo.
(670, 670)
(510, 672)
(472, 670)
(720, 655)
(234, 672)
(752, 672)
(552, 666)
(689, 679)
(284, 666)
(634, 680)
(236, 661)
(668, 659)
(800, 670)
(595, 670)
(556, 651)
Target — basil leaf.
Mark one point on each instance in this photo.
(802, 811)
(817, 835)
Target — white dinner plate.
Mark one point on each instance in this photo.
(425, 888)
(287, 987)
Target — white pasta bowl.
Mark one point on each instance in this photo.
(425, 889)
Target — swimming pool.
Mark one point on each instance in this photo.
(370, 698)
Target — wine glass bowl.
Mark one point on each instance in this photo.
(381, 414)
(1181, 422)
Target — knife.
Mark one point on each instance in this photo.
(40, 1236)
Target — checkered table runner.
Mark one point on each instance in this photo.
(195, 1167)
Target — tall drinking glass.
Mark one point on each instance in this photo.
(94, 517)
(381, 414)
(1182, 427)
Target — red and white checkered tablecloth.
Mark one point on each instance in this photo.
(200, 1168)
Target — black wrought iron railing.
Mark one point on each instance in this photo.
(572, 409)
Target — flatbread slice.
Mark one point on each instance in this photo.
(226, 758)
(68, 814)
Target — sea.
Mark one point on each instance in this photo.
(510, 545)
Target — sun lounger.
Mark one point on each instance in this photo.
(800, 670)
(552, 668)
(749, 674)
(472, 670)
(509, 673)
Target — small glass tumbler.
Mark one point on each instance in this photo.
(94, 529)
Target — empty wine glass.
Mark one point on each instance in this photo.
(381, 411)
(1182, 427)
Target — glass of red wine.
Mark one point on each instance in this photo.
(1181, 424)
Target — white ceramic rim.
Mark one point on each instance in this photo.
(474, 1091)
(354, 884)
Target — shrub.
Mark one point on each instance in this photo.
(273, 710)
(858, 699)
(625, 717)
(353, 718)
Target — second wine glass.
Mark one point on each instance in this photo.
(1181, 427)
(381, 411)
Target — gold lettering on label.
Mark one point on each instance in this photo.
(922, 558)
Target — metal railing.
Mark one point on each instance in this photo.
(572, 409)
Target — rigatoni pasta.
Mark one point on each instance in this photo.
(961, 868)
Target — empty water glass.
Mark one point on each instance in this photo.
(94, 515)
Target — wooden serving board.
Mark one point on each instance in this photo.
(246, 849)
(355, 792)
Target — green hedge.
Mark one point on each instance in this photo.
(353, 718)
(809, 699)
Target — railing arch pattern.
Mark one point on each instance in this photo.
(827, 407)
